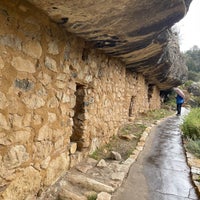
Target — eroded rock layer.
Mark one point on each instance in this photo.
(60, 99)
(133, 30)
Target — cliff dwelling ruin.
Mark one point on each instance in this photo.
(71, 74)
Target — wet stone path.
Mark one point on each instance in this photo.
(161, 171)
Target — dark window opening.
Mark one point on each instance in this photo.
(79, 117)
(150, 92)
(130, 112)
(85, 54)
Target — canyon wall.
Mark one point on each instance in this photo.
(60, 99)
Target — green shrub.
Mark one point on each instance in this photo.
(194, 76)
(188, 83)
(194, 147)
(158, 114)
(197, 100)
(92, 197)
(191, 125)
(170, 103)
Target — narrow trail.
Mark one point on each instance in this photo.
(161, 171)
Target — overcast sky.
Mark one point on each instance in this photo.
(189, 27)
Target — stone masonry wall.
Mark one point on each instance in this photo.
(59, 100)
(139, 95)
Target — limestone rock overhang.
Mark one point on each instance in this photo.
(136, 31)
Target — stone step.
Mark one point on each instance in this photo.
(69, 191)
(66, 194)
(90, 184)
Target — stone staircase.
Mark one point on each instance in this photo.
(88, 179)
(91, 178)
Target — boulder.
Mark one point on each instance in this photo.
(194, 88)
(115, 156)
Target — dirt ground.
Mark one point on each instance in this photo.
(128, 135)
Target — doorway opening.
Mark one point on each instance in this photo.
(79, 117)
(150, 91)
(130, 112)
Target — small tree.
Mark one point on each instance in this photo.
(192, 57)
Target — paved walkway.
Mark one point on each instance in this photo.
(161, 171)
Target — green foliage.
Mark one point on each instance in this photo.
(92, 197)
(188, 83)
(158, 114)
(95, 154)
(193, 59)
(196, 100)
(194, 147)
(191, 130)
(191, 125)
(193, 76)
(169, 102)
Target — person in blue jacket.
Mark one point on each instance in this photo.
(179, 103)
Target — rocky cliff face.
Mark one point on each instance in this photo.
(133, 30)
(60, 100)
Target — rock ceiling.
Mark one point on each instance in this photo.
(136, 31)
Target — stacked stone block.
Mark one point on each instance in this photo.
(41, 67)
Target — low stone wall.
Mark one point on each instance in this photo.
(194, 164)
(59, 100)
